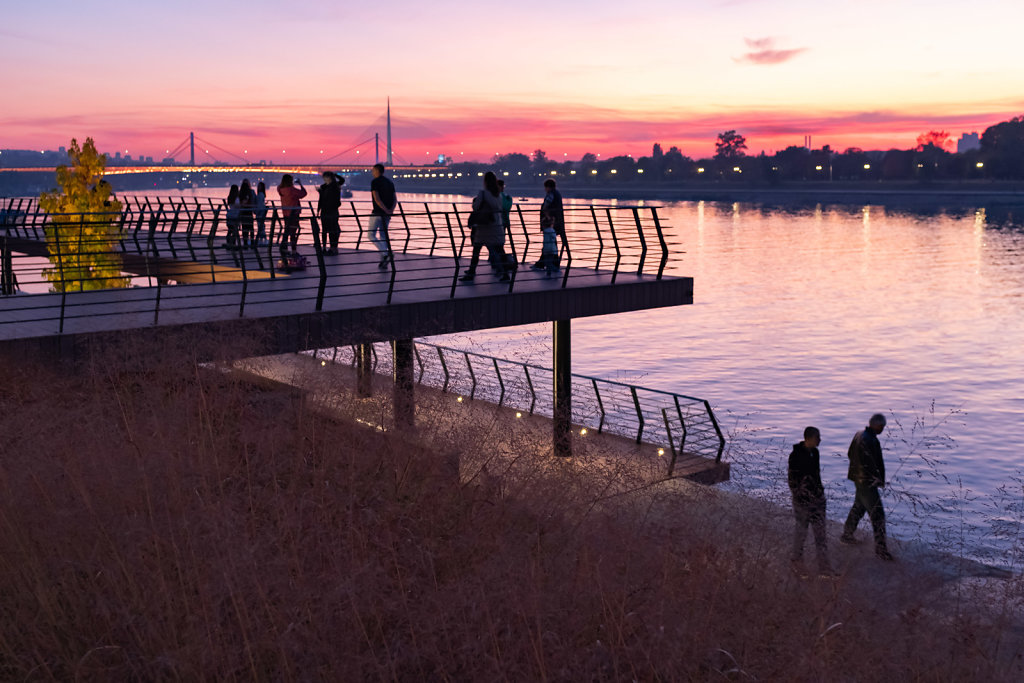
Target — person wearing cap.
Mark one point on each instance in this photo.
(327, 206)
(867, 472)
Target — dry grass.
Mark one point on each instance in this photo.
(179, 523)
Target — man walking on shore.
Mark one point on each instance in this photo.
(867, 472)
(382, 191)
(808, 502)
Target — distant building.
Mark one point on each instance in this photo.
(968, 142)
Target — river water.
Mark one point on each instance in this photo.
(822, 316)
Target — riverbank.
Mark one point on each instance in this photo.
(185, 522)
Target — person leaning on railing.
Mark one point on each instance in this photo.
(552, 224)
(290, 207)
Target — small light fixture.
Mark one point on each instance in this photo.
(661, 452)
(583, 432)
(323, 363)
(459, 399)
(518, 414)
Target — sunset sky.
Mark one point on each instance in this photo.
(472, 79)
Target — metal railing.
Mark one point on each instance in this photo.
(163, 243)
(680, 425)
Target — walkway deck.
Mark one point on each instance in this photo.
(355, 301)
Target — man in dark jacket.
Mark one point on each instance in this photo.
(808, 501)
(867, 472)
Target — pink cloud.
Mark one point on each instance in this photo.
(763, 52)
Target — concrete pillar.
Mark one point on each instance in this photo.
(364, 370)
(403, 401)
(562, 419)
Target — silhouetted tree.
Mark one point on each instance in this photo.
(792, 163)
(1002, 148)
(730, 145)
(898, 164)
(676, 165)
(933, 138)
(515, 161)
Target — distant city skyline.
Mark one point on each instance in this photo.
(569, 78)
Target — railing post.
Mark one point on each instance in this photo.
(359, 224)
(78, 253)
(600, 405)
(643, 241)
(60, 274)
(151, 244)
(526, 233)
(433, 228)
(318, 248)
(462, 231)
(600, 240)
(405, 222)
(501, 383)
(455, 254)
(718, 431)
(671, 442)
(533, 392)
(270, 243)
(661, 239)
(364, 371)
(615, 243)
(444, 368)
(639, 414)
(562, 411)
(419, 362)
(403, 403)
(472, 376)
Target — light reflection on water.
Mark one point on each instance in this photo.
(824, 316)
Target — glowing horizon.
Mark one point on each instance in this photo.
(268, 83)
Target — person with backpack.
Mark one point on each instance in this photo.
(487, 229)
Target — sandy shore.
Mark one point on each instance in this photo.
(923, 582)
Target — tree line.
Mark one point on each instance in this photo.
(1001, 156)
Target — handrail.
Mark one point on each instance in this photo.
(188, 229)
(683, 425)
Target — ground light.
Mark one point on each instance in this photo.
(661, 452)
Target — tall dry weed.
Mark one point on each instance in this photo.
(172, 521)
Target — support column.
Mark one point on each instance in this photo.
(364, 370)
(402, 399)
(562, 419)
